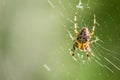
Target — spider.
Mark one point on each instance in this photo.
(83, 39)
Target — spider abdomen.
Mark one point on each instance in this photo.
(83, 35)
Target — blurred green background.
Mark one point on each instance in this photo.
(34, 43)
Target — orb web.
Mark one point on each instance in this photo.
(107, 49)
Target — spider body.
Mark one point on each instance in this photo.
(83, 39)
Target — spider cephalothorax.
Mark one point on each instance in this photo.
(83, 39)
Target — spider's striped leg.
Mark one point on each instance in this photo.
(70, 36)
(93, 29)
(75, 24)
(72, 52)
(89, 52)
(88, 56)
(93, 41)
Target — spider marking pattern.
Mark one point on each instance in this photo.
(83, 39)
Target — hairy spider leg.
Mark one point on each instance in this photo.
(89, 52)
(73, 48)
(88, 48)
(72, 51)
(71, 37)
(93, 29)
(93, 41)
(75, 24)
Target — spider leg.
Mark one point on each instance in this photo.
(93, 29)
(93, 41)
(89, 52)
(72, 52)
(88, 56)
(75, 24)
(71, 37)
